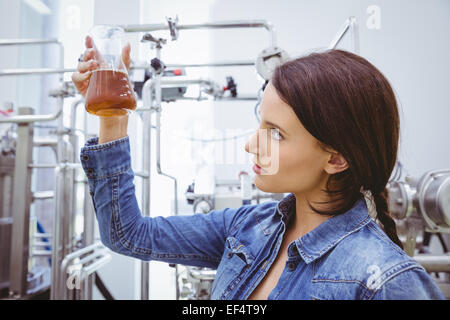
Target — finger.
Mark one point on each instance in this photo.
(81, 81)
(89, 43)
(78, 77)
(88, 54)
(87, 66)
(93, 51)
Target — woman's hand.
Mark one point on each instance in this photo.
(111, 128)
(90, 61)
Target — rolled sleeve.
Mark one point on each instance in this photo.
(105, 160)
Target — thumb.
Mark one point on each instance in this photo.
(126, 55)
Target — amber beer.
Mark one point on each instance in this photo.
(110, 94)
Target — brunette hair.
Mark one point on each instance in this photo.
(348, 105)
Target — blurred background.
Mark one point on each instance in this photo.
(203, 140)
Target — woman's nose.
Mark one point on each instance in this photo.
(252, 144)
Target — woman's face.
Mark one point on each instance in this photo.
(290, 156)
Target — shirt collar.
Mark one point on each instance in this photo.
(329, 233)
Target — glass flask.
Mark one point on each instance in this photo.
(110, 92)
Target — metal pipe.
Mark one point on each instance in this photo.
(43, 71)
(339, 35)
(141, 174)
(32, 118)
(146, 164)
(59, 242)
(89, 216)
(42, 166)
(354, 30)
(22, 197)
(58, 247)
(41, 244)
(158, 159)
(44, 142)
(16, 42)
(158, 99)
(42, 235)
(434, 263)
(43, 195)
(95, 266)
(20, 42)
(169, 82)
(213, 64)
(41, 253)
(349, 24)
(211, 25)
(148, 105)
(238, 98)
(73, 113)
(33, 71)
(73, 141)
(76, 254)
(93, 256)
(53, 166)
(68, 221)
(87, 271)
(56, 243)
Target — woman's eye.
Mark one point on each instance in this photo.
(276, 134)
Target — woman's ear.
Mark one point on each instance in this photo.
(336, 163)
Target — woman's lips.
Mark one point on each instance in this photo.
(257, 169)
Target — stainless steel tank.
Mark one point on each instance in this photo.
(6, 187)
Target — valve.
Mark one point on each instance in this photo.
(157, 65)
(231, 86)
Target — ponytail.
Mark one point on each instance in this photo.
(381, 203)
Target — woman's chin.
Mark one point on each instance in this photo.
(261, 184)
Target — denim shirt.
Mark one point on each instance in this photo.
(346, 257)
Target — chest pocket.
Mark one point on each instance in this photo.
(236, 260)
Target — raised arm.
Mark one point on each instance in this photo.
(197, 239)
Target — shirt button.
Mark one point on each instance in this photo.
(85, 157)
(230, 254)
(291, 266)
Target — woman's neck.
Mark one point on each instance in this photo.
(305, 219)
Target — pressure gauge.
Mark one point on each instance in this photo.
(268, 60)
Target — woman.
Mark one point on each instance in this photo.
(334, 121)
